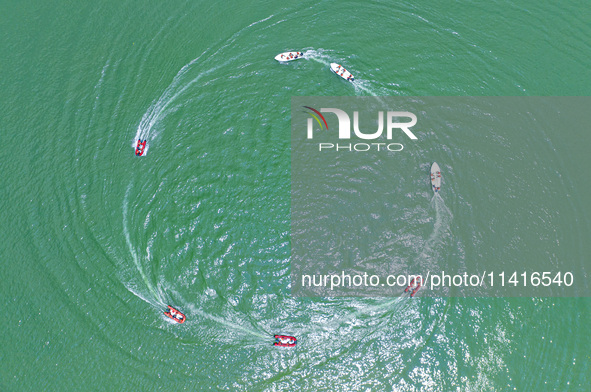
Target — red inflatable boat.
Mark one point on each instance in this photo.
(285, 341)
(141, 146)
(175, 315)
(412, 283)
(418, 282)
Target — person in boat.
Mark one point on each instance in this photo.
(140, 147)
(286, 341)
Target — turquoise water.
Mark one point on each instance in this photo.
(97, 241)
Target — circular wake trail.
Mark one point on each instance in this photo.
(170, 94)
(134, 256)
(160, 108)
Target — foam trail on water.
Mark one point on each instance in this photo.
(161, 107)
(336, 322)
(375, 308)
(231, 325)
(360, 85)
(151, 301)
(194, 310)
(134, 256)
(443, 218)
(318, 56)
(372, 309)
(170, 94)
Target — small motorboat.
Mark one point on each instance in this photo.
(342, 72)
(140, 148)
(435, 177)
(175, 314)
(289, 56)
(285, 341)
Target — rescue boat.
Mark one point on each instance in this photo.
(175, 314)
(141, 146)
(285, 341)
(412, 282)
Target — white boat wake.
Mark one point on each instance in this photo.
(157, 297)
(443, 218)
